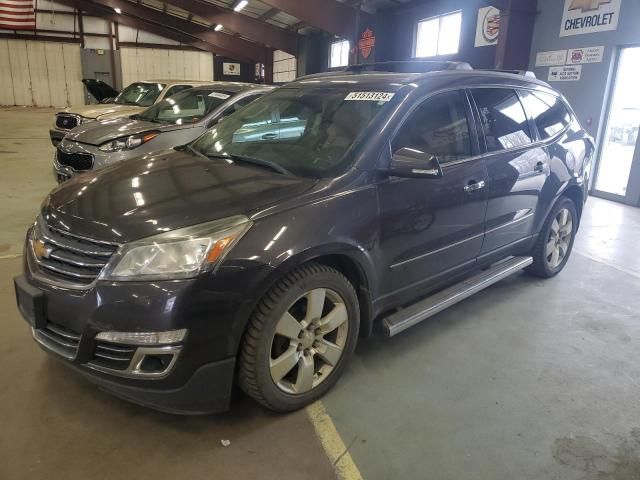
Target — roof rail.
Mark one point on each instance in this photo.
(408, 66)
(524, 73)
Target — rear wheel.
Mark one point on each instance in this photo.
(299, 339)
(554, 245)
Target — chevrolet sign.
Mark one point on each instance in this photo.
(589, 16)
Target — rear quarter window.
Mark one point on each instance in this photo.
(548, 112)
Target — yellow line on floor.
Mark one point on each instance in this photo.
(332, 443)
(13, 255)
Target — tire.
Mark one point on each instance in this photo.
(546, 264)
(291, 336)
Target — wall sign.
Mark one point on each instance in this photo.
(230, 68)
(565, 74)
(487, 27)
(589, 16)
(546, 59)
(585, 55)
(367, 43)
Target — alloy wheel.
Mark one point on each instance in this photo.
(559, 238)
(309, 341)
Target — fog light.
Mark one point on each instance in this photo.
(144, 338)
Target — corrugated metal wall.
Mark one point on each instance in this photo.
(155, 63)
(40, 74)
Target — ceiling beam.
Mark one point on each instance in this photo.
(249, 27)
(108, 14)
(329, 15)
(226, 45)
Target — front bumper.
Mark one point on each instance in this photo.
(65, 325)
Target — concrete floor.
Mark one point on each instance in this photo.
(530, 379)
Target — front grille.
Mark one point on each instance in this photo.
(66, 122)
(112, 356)
(59, 339)
(77, 161)
(67, 257)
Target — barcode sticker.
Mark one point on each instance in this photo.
(370, 96)
(222, 96)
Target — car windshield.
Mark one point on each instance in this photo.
(307, 131)
(186, 107)
(141, 94)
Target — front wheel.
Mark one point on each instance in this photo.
(300, 338)
(555, 242)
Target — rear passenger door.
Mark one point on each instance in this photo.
(517, 170)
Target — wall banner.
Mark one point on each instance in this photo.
(487, 27)
(565, 74)
(585, 55)
(589, 16)
(548, 59)
(230, 68)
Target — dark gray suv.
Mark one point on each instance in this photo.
(259, 253)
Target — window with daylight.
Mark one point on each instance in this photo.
(438, 35)
(339, 54)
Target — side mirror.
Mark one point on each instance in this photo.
(412, 163)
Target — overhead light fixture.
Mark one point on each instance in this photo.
(218, 27)
(240, 5)
(117, 10)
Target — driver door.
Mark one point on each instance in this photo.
(433, 228)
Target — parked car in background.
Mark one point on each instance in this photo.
(134, 99)
(171, 122)
(261, 259)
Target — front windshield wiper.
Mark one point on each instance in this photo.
(253, 161)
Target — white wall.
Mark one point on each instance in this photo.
(40, 74)
(156, 63)
(284, 67)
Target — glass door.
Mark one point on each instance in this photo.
(621, 134)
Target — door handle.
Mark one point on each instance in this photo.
(269, 136)
(473, 186)
(540, 167)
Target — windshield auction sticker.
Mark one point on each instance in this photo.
(369, 96)
(222, 96)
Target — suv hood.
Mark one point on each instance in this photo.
(155, 193)
(97, 133)
(106, 111)
(99, 89)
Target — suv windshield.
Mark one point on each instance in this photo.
(141, 94)
(307, 131)
(185, 107)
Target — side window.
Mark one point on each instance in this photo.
(548, 112)
(502, 117)
(244, 101)
(440, 127)
(175, 89)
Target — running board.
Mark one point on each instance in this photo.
(408, 317)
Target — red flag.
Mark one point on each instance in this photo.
(17, 15)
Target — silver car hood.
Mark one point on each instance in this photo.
(97, 133)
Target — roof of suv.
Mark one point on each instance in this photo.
(355, 76)
(179, 82)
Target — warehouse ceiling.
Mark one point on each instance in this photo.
(249, 34)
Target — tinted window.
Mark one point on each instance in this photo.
(439, 127)
(548, 111)
(502, 117)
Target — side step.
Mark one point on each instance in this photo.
(408, 317)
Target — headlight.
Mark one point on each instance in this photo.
(178, 254)
(127, 143)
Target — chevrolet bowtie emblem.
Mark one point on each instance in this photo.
(587, 5)
(41, 250)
